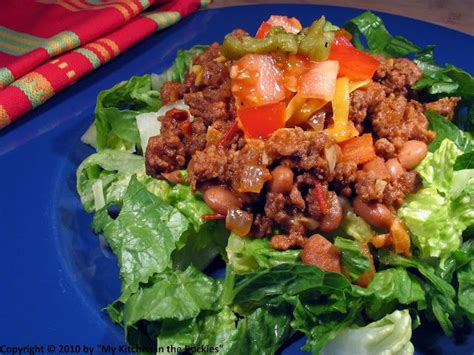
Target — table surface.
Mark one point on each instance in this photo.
(456, 14)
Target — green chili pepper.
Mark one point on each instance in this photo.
(313, 42)
(316, 43)
(277, 40)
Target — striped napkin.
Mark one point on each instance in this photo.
(47, 45)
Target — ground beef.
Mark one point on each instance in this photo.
(363, 100)
(171, 91)
(398, 121)
(285, 242)
(296, 197)
(445, 106)
(196, 139)
(397, 75)
(345, 173)
(206, 165)
(300, 149)
(368, 187)
(395, 192)
(208, 55)
(385, 149)
(313, 206)
(214, 74)
(275, 208)
(164, 153)
(209, 111)
(262, 225)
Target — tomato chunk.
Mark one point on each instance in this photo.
(359, 150)
(291, 25)
(262, 121)
(353, 63)
(319, 82)
(256, 80)
(320, 252)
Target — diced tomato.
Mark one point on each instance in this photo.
(353, 63)
(319, 82)
(358, 149)
(256, 80)
(320, 252)
(293, 67)
(263, 30)
(291, 25)
(262, 121)
(343, 33)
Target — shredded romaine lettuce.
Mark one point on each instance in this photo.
(389, 336)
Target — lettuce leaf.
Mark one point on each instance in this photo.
(113, 168)
(379, 40)
(279, 284)
(354, 262)
(447, 195)
(440, 293)
(389, 335)
(393, 287)
(262, 331)
(247, 255)
(117, 108)
(446, 129)
(143, 236)
(172, 294)
(465, 277)
(356, 227)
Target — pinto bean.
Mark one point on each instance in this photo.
(378, 167)
(282, 179)
(375, 214)
(333, 219)
(220, 199)
(412, 153)
(394, 168)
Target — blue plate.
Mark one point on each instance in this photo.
(56, 275)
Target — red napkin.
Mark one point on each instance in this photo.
(46, 45)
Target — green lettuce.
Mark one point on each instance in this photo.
(143, 236)
(117, 108)
(247, 255)
(446, 129)
(465, 277)
(113, 168)
(389, 335)
(379, 40)
(356, 227)
(393, 287)
(354, 262)
(172, 294)
(447, 195)
(440, 294)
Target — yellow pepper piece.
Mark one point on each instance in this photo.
(354, 85)
(294, 105)
(342, 129)
(340, 104)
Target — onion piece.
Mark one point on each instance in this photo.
(239, 221)
(98, 191)
(149, 125)
(253, 177)
(332, 155)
